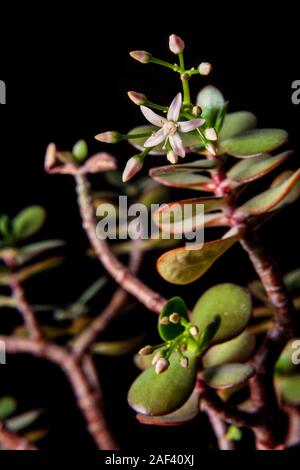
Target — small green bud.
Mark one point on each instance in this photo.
(137, 98)
(141, 56)
(80, 150)
(109, 137)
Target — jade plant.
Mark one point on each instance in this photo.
(234, 355)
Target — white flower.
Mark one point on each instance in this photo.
(170, 126)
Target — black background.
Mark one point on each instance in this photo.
(67, 73)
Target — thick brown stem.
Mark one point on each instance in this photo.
(220, 429)
(11, 441)
(116, 269)
(25, 309)
(88, 398)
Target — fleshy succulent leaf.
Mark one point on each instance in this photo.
(254, 142)
(117, 348)
(28, 222)
(231, 302)
(227, 375)
(172, 330)
(185, 265)
(236, 123)
(290, 389)
(8, 406)
(285, 363)
(238, 349)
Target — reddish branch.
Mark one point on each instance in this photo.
(151, 299)
(220, 429)
(11, 441)
(88, 396)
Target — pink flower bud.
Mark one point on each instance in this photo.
(174, 318)
(184, 362)
(161, 365)
(145, 351)
(110, 137)
(211, 149)
(205, 68)
(176, 44)
(133, 166)
(211, 134)
(194, 330)
(172, 157)
(51, 157)
(141, 56)
(137, 98)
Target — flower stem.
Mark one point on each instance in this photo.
(185, 82)
(164, 64)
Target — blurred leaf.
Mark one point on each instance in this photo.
(186, 215)
(236, 123)
(184, 414)
(28, 252)
(160, 394)
(186, 175)
(185, 265)
(285, 363)
(234, 433)
(254, 142)
(144, 245)
(292, 280)
(209, 333)
(6, 301)
(20, 422)
(28, 222)
(227, 375)
(246, 170)
(290, 389)
(92, 290)
(267, 200)
(36, 435)
(117, 348)
(39, 267)
(258, 291)
(260, 328)
(231, 302)
(5, 228)
(238, 349)
(172, 330)
(154, 195)
(8, 406)
(80, 150)
(212, 102)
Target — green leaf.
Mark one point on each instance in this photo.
(36, 435)
(254, 142)
(291, 196)
(80, 150)
(185, 265)
(145, 245)
(234, 433)
(20, 422)
(153, 195)
(236, 123)
(292, 280)
(187, 215)
(267, 200)
(8, 406)
(231, 302)
(212, 102)
(186, 175)
(6, 301)
(28, 252)
(40, 267)
(161, 394)
(249, 170)
(238, 349)
(227, 375)
(117, 348)
(285, 363)
(258, 291)
(290, 389)
(172, 330)
(5, 228)
(209, 333)
(28, 222)
(184, 414)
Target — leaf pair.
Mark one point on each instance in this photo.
(23, 226)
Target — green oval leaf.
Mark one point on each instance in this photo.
(254, 142)
(236, 123)
(20, 422)
(80, 150)
(290, 389)
(257, 167)
(8, 406)
(161, 394)
(184, 414)
(227, 375)
(172, 330)
(210, 97)
(187, 215)
(269, 199)
(186, 175)
(231, 302)
(185, 265)
(28, 252)
(28, 222)
(285, 363)
(117, 348)
(292, 195)
(292, 280)
(238, 349)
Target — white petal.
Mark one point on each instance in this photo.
(187, 126)
(177, 145)
(152, 117)
(174, 109)
(155, 139)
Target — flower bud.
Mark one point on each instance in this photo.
(184, 362)
(164, 321)
(156, 358)
(176, 44)
(174, 318)
(146, 351)
(205, 68)
(194, 330)
(211, 149)
(110, 137)
(80, 150)
(196, 111)
(172, 157)
(161, 365)
(141, 56)
(211, 134)
(133, 166)
(137, 98)
(51, 157)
